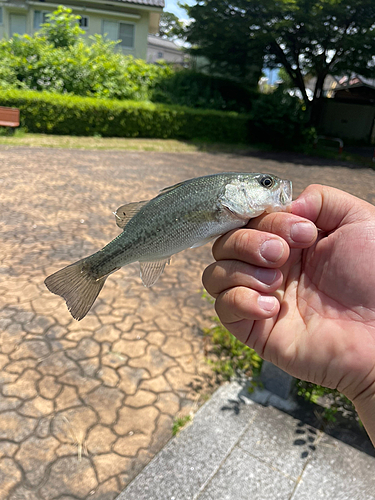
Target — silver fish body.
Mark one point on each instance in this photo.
(186, 215)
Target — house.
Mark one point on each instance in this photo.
(129, 21)
(161, 49)
(350, 112)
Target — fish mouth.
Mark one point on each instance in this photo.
(284, 201)
(286, 194)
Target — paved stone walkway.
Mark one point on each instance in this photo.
(85, 405)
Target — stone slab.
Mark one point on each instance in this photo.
(243, 477)
(237, 449)
(187, 463)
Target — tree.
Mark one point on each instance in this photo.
(62, 28)
(305, 37)
(170, 26)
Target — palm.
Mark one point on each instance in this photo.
(327, 309)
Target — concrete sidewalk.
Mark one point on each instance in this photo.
(237, 449)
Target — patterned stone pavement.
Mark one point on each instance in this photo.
(85, 405)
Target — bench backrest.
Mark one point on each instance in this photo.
(9, 117)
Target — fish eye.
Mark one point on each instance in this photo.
(266, 181)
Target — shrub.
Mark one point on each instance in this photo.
(57, 59)
(280, 119)
(197, 90)
(72, 115)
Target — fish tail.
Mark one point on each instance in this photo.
(78, 286)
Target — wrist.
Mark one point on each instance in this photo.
(365, 406)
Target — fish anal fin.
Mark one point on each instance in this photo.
(126, 212)
(151, 271)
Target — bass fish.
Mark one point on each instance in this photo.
(186, 215)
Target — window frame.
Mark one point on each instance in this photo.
(129, 47)
(83, 16)
(15, 13)
(43, 13)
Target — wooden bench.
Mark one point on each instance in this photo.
(9, 117)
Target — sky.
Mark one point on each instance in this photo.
(171, 6)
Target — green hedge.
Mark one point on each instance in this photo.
(198, 90)
(72, 115)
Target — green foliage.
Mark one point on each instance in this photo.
(72, 115)
(62, 29)
(198, 90)
(334, 402)
(314, 37)
(280, 119)
(59, 60)
(232, 357)
(179, 423)
(219, 31)
(170, 26)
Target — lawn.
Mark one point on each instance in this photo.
(21, 138)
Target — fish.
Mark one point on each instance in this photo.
(186, 215)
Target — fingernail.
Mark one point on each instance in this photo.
(303, 232)
(272, 250)
(267, 302)
(266, 276)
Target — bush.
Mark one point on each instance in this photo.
(72, 115)
(197, 90)
(280, 119)
(57, 59)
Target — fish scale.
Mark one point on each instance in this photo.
(185, 215)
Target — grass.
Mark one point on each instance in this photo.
(332, 154)
(20, 138)
(179, 423)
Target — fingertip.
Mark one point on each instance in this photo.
(267, 303)
(303, 233)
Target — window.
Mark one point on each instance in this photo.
(40, 18)
(1, 15)
(126, 35)
(83, 22)
(123, 32)
(17, 24)
(160, 55)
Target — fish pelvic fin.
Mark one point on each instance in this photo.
(77, 286)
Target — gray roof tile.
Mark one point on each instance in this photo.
(151, 3)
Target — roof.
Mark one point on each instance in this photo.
(355, 81)
(162, 42)
(150, 3)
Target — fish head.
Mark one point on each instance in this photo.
(250, 195)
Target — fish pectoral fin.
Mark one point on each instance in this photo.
(126, 212)
(151, 271)
(203, 242)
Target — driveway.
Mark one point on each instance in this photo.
(85, 405)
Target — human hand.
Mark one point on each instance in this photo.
(308, 306)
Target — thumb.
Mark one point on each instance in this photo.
(327, 207)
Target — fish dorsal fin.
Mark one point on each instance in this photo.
(151, 271)
(126, 212)
(170, 188)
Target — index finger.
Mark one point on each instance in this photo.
(253, 247)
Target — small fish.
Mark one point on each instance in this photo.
(186, 215)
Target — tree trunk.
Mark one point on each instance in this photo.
(317, 102)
